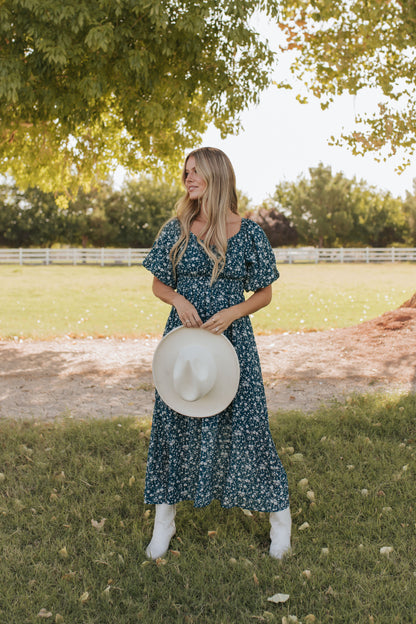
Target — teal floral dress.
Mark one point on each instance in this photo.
(229, 457)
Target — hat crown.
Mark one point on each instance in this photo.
(194, 372)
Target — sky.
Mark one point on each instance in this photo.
(283, 138)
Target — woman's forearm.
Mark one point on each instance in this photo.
(255, 302)
(220, 321)
(165, 293)
(187, 312)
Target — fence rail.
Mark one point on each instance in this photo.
(128, 257)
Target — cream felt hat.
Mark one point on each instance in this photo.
(195, 372)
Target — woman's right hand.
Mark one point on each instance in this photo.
(187, 312)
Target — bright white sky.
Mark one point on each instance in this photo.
(283, 138)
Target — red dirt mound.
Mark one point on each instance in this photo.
(403, 317)
(411, 303)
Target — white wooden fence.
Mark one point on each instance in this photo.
(129, 257)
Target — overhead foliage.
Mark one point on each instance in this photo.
(86, 86)
(345, 46)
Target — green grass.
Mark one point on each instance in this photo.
(43, 302)
(57, 477)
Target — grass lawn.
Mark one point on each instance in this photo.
(56, 478)
(43, 302)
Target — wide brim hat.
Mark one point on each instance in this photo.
(196, 373)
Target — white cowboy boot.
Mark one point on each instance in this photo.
(281, 524)
(163, 531)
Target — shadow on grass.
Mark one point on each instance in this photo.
(359, 462)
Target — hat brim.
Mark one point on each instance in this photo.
(227, 368)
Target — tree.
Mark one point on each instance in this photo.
(28, 218)
(330, 210)
(320, 208)
(141, 208)
(277, 227)
(349, 45)
(409, 209)
(379, 218)
(85, 86)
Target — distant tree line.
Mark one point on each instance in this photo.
(327, 210)
(104, 217)
(321, 209)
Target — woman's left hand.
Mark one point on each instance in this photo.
(220, 321)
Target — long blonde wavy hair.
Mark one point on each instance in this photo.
(219, 196)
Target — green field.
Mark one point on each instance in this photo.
(358, 458)
(47, 301)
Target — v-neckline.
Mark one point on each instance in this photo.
(228, 239)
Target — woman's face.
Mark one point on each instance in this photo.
(194, 183)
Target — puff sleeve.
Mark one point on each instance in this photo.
(260, 261)
(157, 260)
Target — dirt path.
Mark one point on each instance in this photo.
(105, 378)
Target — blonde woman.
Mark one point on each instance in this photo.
(202, 261)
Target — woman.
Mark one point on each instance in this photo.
(202, 262)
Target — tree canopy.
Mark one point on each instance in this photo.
(86, 86)
(329, 210)
(349, 45)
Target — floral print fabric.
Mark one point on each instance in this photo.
(230, 457)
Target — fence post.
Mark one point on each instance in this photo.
(20, 256)
(393, 255)
(316, 255)
(129, 256)
(367, 255)
(102, 256)
(342, 255)
(47, 259)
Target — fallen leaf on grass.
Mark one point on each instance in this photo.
(43, 613)
(386, 550)
(277, 598)
(59, 619)
(131, 481)
(84, 597)
(297, 457)
(304, 526)
(255, 579)
(98, 525)
(212, 533)
(247, 512)
(303, 484)
(63, 552)
(310, 494)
